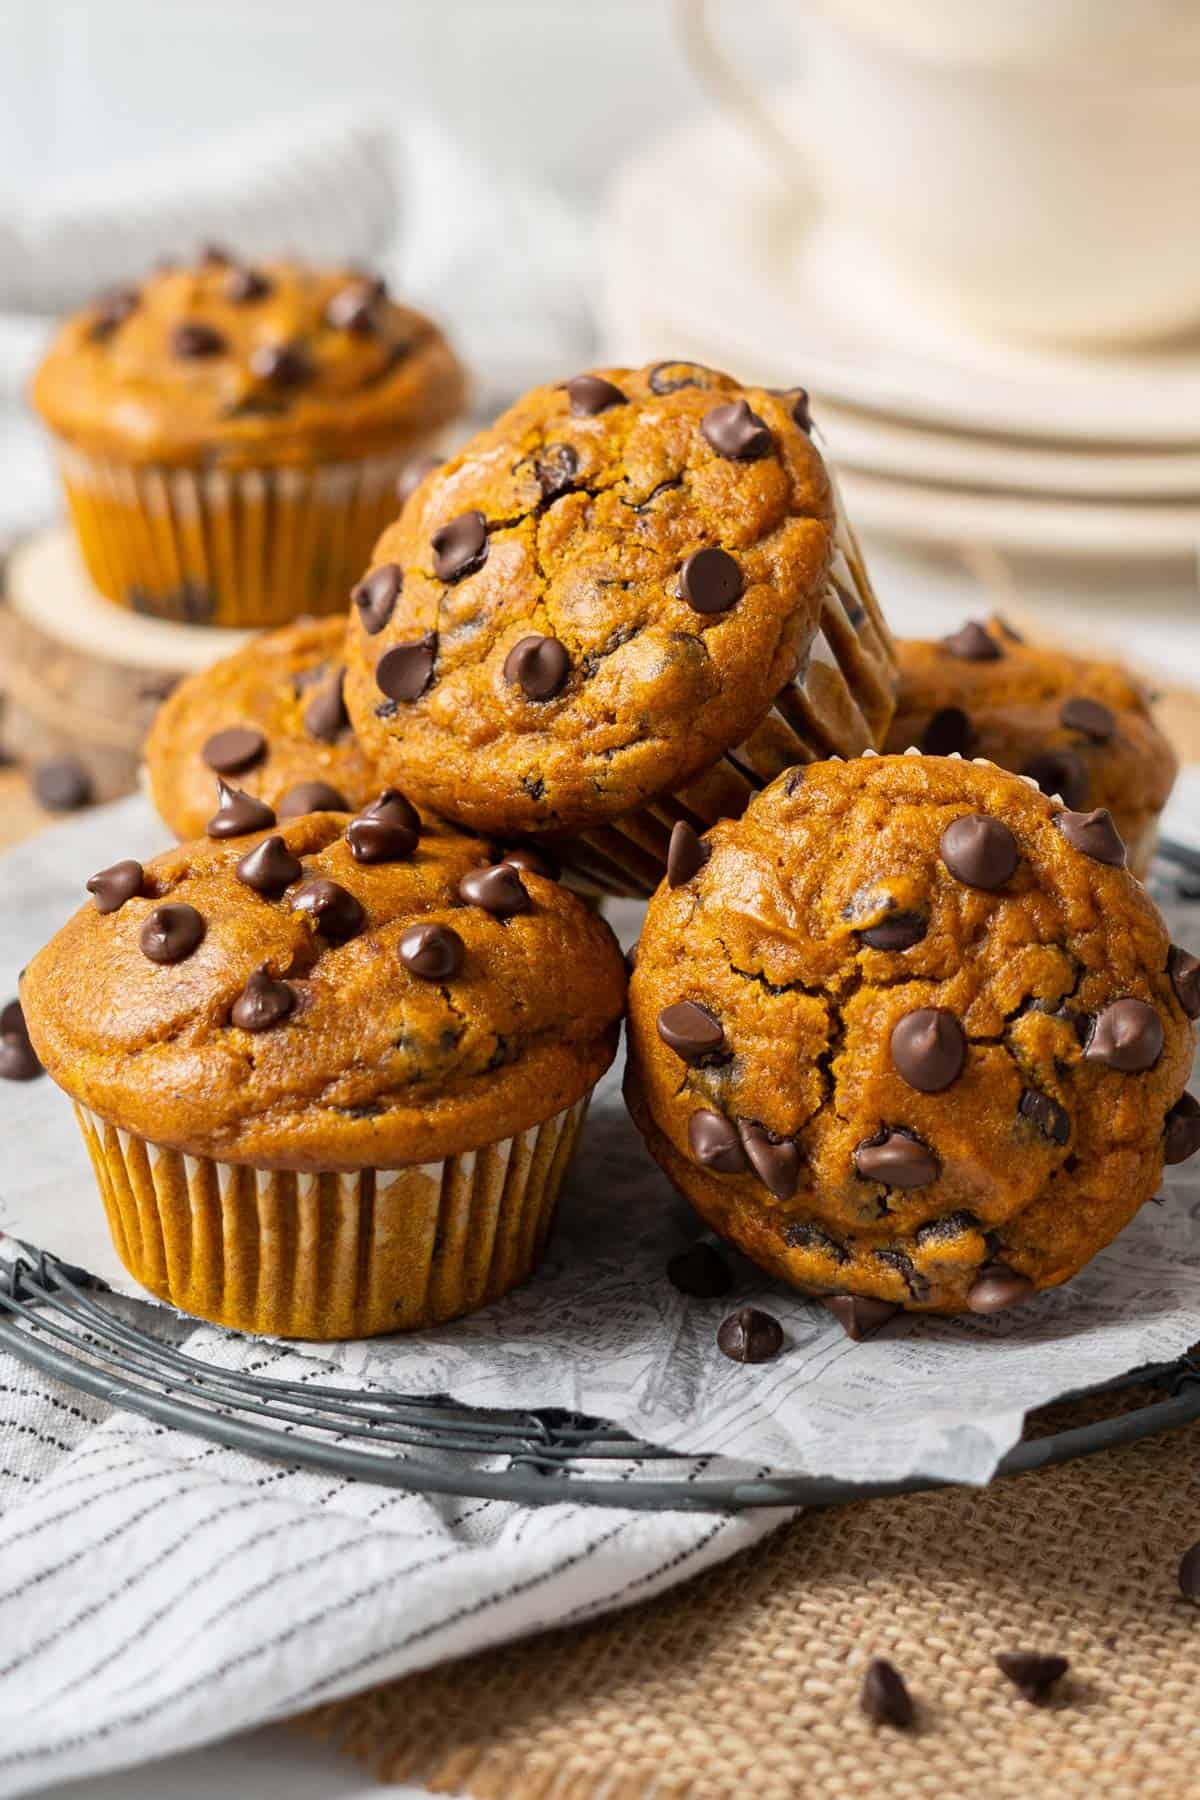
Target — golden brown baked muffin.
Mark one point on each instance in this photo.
(911, 1035)
(269, 718)
(329, 1074)
(1082, 729)
(230, 435)
(633, 600)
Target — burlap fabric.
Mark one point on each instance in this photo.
(745, 1682)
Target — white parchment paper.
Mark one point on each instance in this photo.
(599, 1328)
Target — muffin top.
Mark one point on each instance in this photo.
(333, 994)
(237, 363)
(592, 601)
(271, 719)
(908, 1024)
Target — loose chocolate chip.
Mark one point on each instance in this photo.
(1051, 1119)
(112, 310)
(171, 933)
(929, 1049)
(114, 886)
(996, 1288)
(715, 1144)
(686, 854)
(1184, 971)
(263, 1002)
(1181, 1130)
(238, 814)
(334, 911)
(972, 644)
(884, 1697)
(18, 1058)
(750, 1336)
(1189, 1573)
(283, 365)
(591, 394)
(860, 1315)
(388, 830)
(1094, 834)
(12, 1019)
(897, 1159)
(1128, 1035)
(434, 952)
(353, 308)
(710, 581)
(1031, 1673)
(556, 469)
(1061, 775)
(898, 931)
(460, 547)
(310, 797)
(269, 868)
(62, 785)
(325, 716)
(376, 596)
(499, 890)
(236, 748)
(979, 851)
(701, 1272)
(736, 433)
(194, 338)
(244, 285)
(537, 862)
(413, 474)
(1091, 717)
(775, 1160)
(948, 733)
(403, 673)
(690, 1031)
(538, 666)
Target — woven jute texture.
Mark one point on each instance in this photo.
(746, 1681)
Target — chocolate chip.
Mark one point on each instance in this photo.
(388, 830)
(996, 1288)
(972, 644)
(283, 365)
(193, 338)
(1094, 834)
(948, 733)
(537, 862)
(171, 933)
(800, 407)
(884, 1697)
(1128, 1035)
(710, 581)
(215, 255)
(62, 785)
(325, 716)
(1184, 971)
(1189, 1573)
(929, 1049)
(860, 1315)
(1061, 775)
(376, 596)
(238, 814)
(538, 666)
(686, 375)
(18, 1058)
(556, 468)
(591, 394)
(736, 433)
(1181, 1130)
(1091, 717)
(12, 1019)
(774, 1159)
(353, 308)
(897, 1159)
(715, 1144)
(263, 1002)
(1031, 1673)
(236, 748)
(403, 673)
(686, 854)
(112, 887)
(1051, 1119)
(244, 285)
(898, 931)
(433, 952)
(269, 868)
(700, 1272)
(979, 851)
(750, 1336)
(311, 797)
(499, 890)
(112, 310)
(460, 547)
(334, 911)
(690, 1031)
(413, 474)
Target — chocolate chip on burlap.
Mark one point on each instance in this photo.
(1189, 1574)
(750, 1336)
(700, 1272)
(884, 1696)
(112, 887)
(1033, 1674)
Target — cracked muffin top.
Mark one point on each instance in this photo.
(241, 363)
(271, 718)
(331, 994)
(910, 1030)
(1083, 730)
(596, 598)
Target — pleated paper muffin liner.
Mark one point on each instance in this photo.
(331, 1255)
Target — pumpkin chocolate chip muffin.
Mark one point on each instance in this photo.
(1083, 730)
(911, 1035)
(329, 1073)
(230, 435)
(631, 601)
(270, 718)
